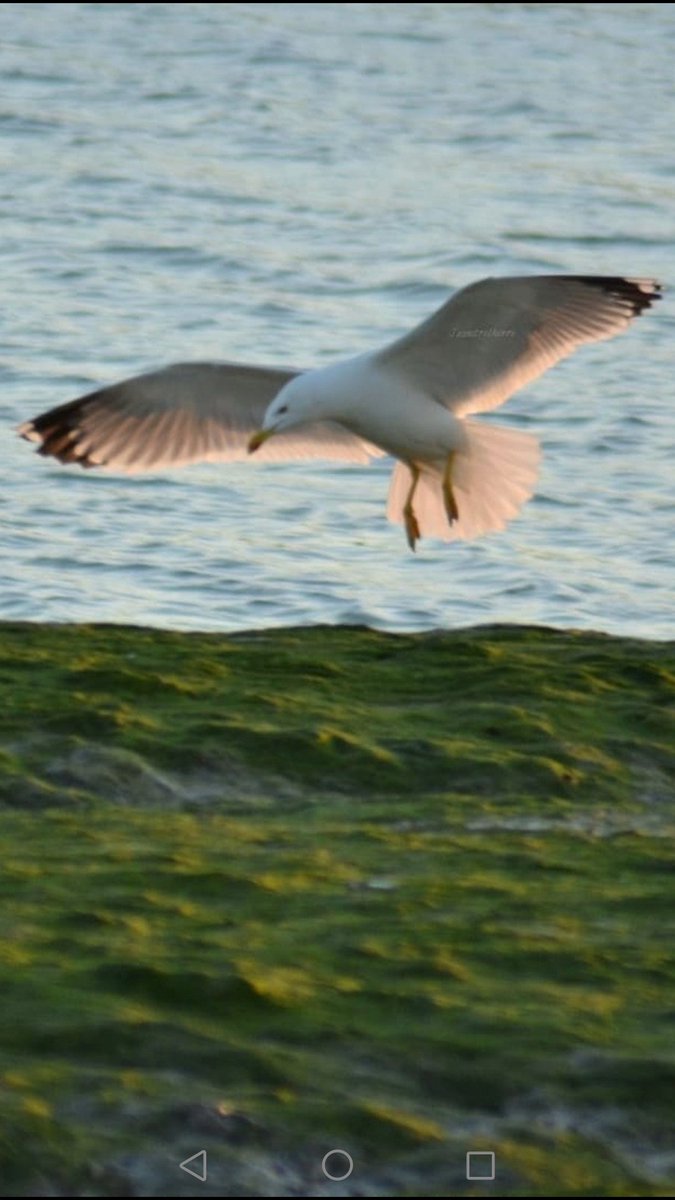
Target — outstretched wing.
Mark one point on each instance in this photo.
(188, 412)
(497, 335)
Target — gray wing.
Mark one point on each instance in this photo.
(497, 335)
(188, 412)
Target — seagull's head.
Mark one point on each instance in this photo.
(294, 405)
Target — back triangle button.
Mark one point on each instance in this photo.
(196, 1165)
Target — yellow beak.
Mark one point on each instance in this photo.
(258, 438)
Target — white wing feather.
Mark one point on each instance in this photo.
(188, 412)
(495, 336)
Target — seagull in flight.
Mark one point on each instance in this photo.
(414, 399)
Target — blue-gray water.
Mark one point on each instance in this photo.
(291, 184)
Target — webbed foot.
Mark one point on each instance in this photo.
(451, 508)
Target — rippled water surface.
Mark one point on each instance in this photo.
(290, 184)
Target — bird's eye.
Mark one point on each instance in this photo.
(283, 409)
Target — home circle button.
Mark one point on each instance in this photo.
(337, 1165)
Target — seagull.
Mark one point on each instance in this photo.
(455, 477)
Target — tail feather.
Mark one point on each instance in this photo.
(493, 476)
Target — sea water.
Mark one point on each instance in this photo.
(294, 183)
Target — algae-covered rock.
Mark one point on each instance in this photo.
(281, 892)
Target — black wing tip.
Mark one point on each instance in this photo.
(59, 432)
(640, 293)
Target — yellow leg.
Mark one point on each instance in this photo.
(412, 529)
(451, 508)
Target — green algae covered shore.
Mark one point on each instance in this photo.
(279, 892)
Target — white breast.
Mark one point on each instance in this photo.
(382, 406)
